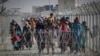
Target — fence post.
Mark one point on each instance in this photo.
(98, 33)
(88, 23)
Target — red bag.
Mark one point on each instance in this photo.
(15, 38)
(63, 27)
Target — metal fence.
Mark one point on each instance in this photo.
(48, 39)
(93, 21)
(91, 14)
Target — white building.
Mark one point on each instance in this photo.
(34, 9)
(66, 4)
(37, 10)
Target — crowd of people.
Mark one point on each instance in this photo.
(48, 31)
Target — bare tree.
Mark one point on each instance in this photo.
(2, 8)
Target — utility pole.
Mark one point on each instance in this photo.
(50, 6)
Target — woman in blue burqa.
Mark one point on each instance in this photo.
(78, 39)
